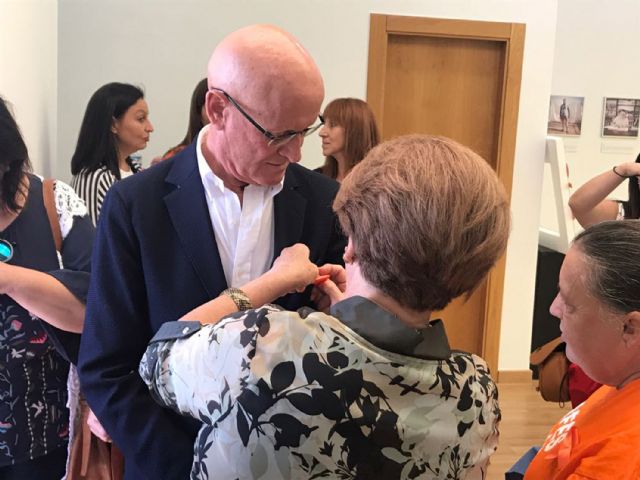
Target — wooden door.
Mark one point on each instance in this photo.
(460, 79)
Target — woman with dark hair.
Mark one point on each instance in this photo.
(371, 390)
(197, 119)
(599, 310)
(42, 226)
(348, 133)
(115, 125)
(590, 205)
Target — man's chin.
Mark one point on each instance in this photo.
(273, 178)
(270, 182)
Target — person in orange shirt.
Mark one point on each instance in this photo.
(599, 310)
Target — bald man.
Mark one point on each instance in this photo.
(214, 216)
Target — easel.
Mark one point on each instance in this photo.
(560, 240)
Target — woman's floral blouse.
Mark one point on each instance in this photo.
(307, 395)
(34, 419)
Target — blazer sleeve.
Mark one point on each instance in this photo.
(116, 333)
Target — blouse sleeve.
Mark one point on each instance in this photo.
(77, 242)
(92, 187)
(104, 183)
(197, 370)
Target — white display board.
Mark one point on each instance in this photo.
(561, 187)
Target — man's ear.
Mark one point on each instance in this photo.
(214, 103)
(631, 329)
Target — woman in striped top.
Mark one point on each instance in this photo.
(115, 125)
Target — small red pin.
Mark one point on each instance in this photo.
(320, 279)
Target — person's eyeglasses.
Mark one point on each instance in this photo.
(272, 139)
(6, 250)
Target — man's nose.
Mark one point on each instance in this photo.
(292, 150)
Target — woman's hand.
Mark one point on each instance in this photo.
(293, 270)
(629, 169)
(96, 427)
(332, 290)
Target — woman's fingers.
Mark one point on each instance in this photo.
(336, 273)
(331, 290)
(96, 428)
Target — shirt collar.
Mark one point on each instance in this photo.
(210, 179)
(386, 331)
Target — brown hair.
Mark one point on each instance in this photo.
(360, 131)
(195, 117)
(428, 218)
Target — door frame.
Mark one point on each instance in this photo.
(512, 35)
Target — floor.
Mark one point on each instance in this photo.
(526, 420)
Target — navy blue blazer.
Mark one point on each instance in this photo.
(155, 258)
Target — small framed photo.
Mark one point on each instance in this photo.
(565, 115)
(620, 117)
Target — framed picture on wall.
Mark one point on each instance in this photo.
(565, 115)
(620, 117)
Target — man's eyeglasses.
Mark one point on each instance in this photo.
(272, 139)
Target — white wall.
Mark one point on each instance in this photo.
(164, 46)
(29, 74)
(595, 53)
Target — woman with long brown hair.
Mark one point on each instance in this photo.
(348, 133)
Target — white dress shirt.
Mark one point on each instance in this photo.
(244, 233)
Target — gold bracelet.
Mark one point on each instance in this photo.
(239, 298)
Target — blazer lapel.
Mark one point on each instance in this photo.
(189, 214)
(289, 208)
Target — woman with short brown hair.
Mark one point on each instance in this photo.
(424, 213)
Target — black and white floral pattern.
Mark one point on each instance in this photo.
(281, 396)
